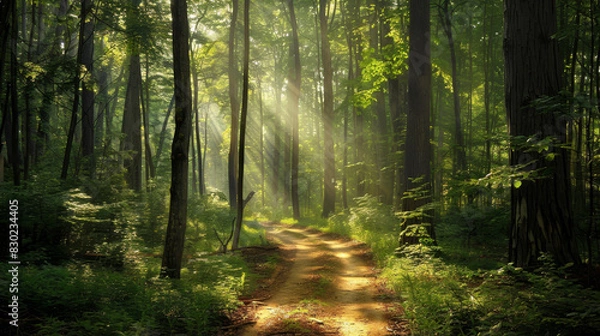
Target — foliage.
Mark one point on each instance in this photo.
(79, 299)
(366, 222)
(444, 299)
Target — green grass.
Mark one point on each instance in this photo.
(464, 286)
(79, 299)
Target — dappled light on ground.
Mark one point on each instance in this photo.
(328, 290)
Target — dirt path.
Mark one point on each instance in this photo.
(330, 288)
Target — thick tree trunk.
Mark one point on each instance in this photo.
(328, 116)
(131, 144)
(132, 141)
(417, 155)
(173, 251)
(541, 216)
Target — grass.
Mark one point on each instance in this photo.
(82, 297)
(464, 286)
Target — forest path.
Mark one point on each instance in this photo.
(330, 288)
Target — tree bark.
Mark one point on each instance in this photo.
(150, 168)
(76, 94)
(132, 141)
(131, 144)
(14, 142)
(541, 215)
(244, 114)
(460, 159)
(328, 116)
(417, 156)
(295, 81)
(174, 242)
(233, 165)
(87, 93)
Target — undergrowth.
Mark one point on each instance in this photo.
(463, 286)
(105, 279)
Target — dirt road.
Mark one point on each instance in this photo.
(330, 288)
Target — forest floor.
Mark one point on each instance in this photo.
(318, 284)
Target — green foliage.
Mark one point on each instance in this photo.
(473, 226)
(41, 226)
(371, 222)
(85, 300)
(444, 299)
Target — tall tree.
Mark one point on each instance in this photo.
(132, 114)
(460, 159)
(328, 115)
(243, 117)
(234, 103)
(85, 11)
(541, 215)
(417, 155)
(87, 91)
(173, 251)
(14, 138)
(294, 82)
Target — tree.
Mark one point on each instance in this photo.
(460, 159)
(173, 251)
(294, 82)
(87, 92)
(132, 119)
(242, 149)
(417, 155)
(86, 6)
(541, 215)
(328, 115)
(233, 165)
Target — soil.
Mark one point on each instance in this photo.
(316, 284)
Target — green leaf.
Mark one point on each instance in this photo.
(517, 184)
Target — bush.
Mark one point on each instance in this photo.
(371, 222)
(84, 300)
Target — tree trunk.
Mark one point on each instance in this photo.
(244, 114)
(131, 144)
(174, 242)
(150, 168)
(163, 132)
(87, 93)
(232, 166)
(417, 155)
(460, 160)
(294, 81)
(198, 150)
(328, 116)
(14, 65)
(132, 141)
(76, 94)
(541, 215)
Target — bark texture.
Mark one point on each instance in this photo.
(328, 115)
(173, 252)
(417, 156)
(541, 215)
